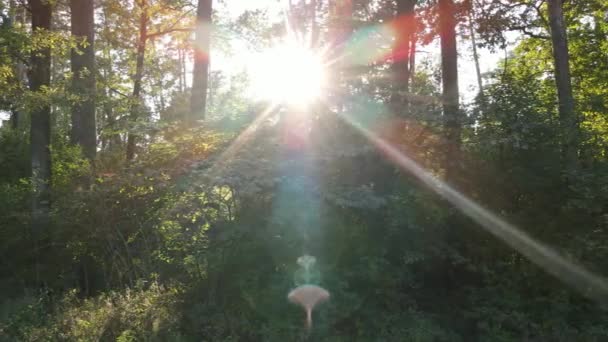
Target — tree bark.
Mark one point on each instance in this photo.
(40, 129)
(403, 27)
(136, 106)
(567, 115)
(449, 76)
(200, 75)
(84, 132)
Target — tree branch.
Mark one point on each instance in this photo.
(172, 27)
(524, 30)
(169, 30)
(540, 14)
(116, 91)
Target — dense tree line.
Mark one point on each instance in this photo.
(141, 201)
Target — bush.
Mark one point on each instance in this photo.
(130, 315)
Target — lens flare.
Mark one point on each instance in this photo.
(368, 45)
(308, 296)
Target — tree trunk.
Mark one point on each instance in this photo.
(184, 80)
(84, 132)
(161, 96)
(113, 142)
(412, 61)
(16, 17)
(181, 68)
(9, 24)
(403, 27)
(341, 19)
(40, 130)
(13, 120)
(449, 76)
(476, 57)
(200, 75)
(136, 106)
(567, 115)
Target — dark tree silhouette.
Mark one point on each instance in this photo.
(449, 76)
(83, 78)
(40, 135)
(567, 116)
(200, 76)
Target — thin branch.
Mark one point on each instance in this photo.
(114, 90)
(524, 30)
(176, 29)
(172, 27)
(540, 13)
(506, 64)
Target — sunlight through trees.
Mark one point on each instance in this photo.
(399, 170)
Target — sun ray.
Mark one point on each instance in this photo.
(244, 137)
(581, 279)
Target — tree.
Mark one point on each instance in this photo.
(404, 26)
(13, 80)
(200, 75)
(178, 235)
(567, 116)
(475, 54)
(40, 130)
(83, 77)
(449, 76)
(529, 18)
(136, 106)
(156, 19)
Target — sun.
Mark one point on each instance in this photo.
(288, 73)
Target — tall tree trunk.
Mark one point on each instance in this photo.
(112, 142)
(403, 27)
(449, 76)
(10, 22)
(184, 80)
(16, 16)
(181, 69)
(84, 132)
(412, 61)
(40, 130)
(14, 118)
(200, 75)
(567, 115)
(476, 56)
(161, 96)
(341, 18)
(136, 106)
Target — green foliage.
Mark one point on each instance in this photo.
(143, 314)
(14, 151)
(198, 237)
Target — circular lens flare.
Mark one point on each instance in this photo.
(288, 73)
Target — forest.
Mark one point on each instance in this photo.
(303, 170)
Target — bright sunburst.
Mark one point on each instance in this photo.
(288, 73)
